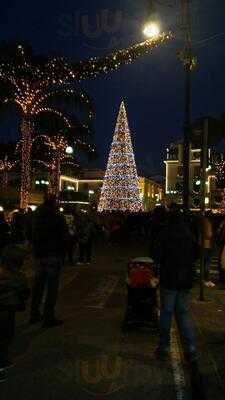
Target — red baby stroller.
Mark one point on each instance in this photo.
(142, 284)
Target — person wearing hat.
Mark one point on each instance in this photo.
(14, 293)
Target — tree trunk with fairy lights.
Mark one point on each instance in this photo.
(120, 191)
(222, 204)
(5, 179)
(55, 174)
(5, 172)
(26, 132)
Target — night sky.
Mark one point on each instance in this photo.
(152, 87)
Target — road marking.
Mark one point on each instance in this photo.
(177, 367)
(67, 281)
(101, 294)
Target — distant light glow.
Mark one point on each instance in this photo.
(69, 150)
(33, 207)
(151, 30)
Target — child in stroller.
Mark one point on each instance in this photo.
(142, 284)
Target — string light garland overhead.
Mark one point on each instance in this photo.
(112, 62)
(31, 82)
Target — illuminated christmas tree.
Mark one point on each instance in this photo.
(120, 190)
(222, 203)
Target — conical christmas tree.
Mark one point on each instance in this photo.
(120, 190)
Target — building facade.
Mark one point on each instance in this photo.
(90, 183)
(174, 176)
(82, 189)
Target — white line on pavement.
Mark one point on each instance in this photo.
(101, 294)
(178, 370)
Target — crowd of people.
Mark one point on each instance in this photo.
(174, 241)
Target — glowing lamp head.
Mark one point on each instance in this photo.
(69, 150)
(151, 30)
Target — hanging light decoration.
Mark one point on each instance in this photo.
(35, 82)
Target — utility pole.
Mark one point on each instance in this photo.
(204, 164)
(188, 61)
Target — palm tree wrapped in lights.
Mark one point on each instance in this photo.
(57, 138)
(50, 152)
(35, 85)
(31, 82)
(8, 162)
(6, 167)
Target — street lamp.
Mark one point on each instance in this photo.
(69, 150)
(151, 29)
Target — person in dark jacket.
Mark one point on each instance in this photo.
(176, 254)
(28, 225)
(157, 224)
(85, 239)
(18, 227)
(49, 241)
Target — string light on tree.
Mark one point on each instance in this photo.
(222, 204)
(26, 129)
(57, 158)
(34, 81)
(120, 190)
(112, 62)
(220, 174)
(5, 167)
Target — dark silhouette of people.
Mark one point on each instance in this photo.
(49, 240)
(14, 293)
(176, 254)
(18, 227)
(85, 239)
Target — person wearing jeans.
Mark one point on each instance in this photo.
(175, 251)
(47, 274)
(176, 302)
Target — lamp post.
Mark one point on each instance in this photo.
(152, 26)
(204, 165)
(152, 29)
(188, 61)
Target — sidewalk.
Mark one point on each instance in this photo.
(90, 357)
(209, 320)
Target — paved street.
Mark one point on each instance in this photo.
(91, 357)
